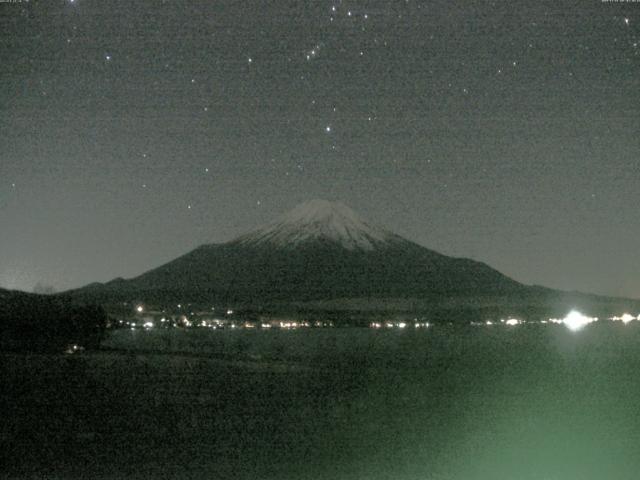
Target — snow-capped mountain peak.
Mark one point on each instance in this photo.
(319, 220)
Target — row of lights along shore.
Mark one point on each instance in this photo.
(574, 321)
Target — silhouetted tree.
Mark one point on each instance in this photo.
(38, 323)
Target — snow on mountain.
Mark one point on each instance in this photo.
(319, 220)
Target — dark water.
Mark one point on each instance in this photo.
(526, 402)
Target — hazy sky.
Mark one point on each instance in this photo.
(133, 131)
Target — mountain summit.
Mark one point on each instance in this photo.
(319, 220)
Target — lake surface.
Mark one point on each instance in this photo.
(522, 402)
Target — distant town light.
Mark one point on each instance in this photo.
(512, 321)
(139, 309)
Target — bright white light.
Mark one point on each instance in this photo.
(512, 321)
(575, 320)
(402, 325)
(229, 312)
(626, 318)
(488, 322)
(147, 324)
(139, 309)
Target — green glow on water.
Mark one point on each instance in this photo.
(525, 402)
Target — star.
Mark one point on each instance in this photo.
(328, 129)
(107, 58)
(626, 21)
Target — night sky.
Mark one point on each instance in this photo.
(133, 131)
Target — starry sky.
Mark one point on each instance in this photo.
(504, 131)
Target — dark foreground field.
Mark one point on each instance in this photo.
(527, 402)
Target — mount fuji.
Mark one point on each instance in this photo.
(322, 254)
